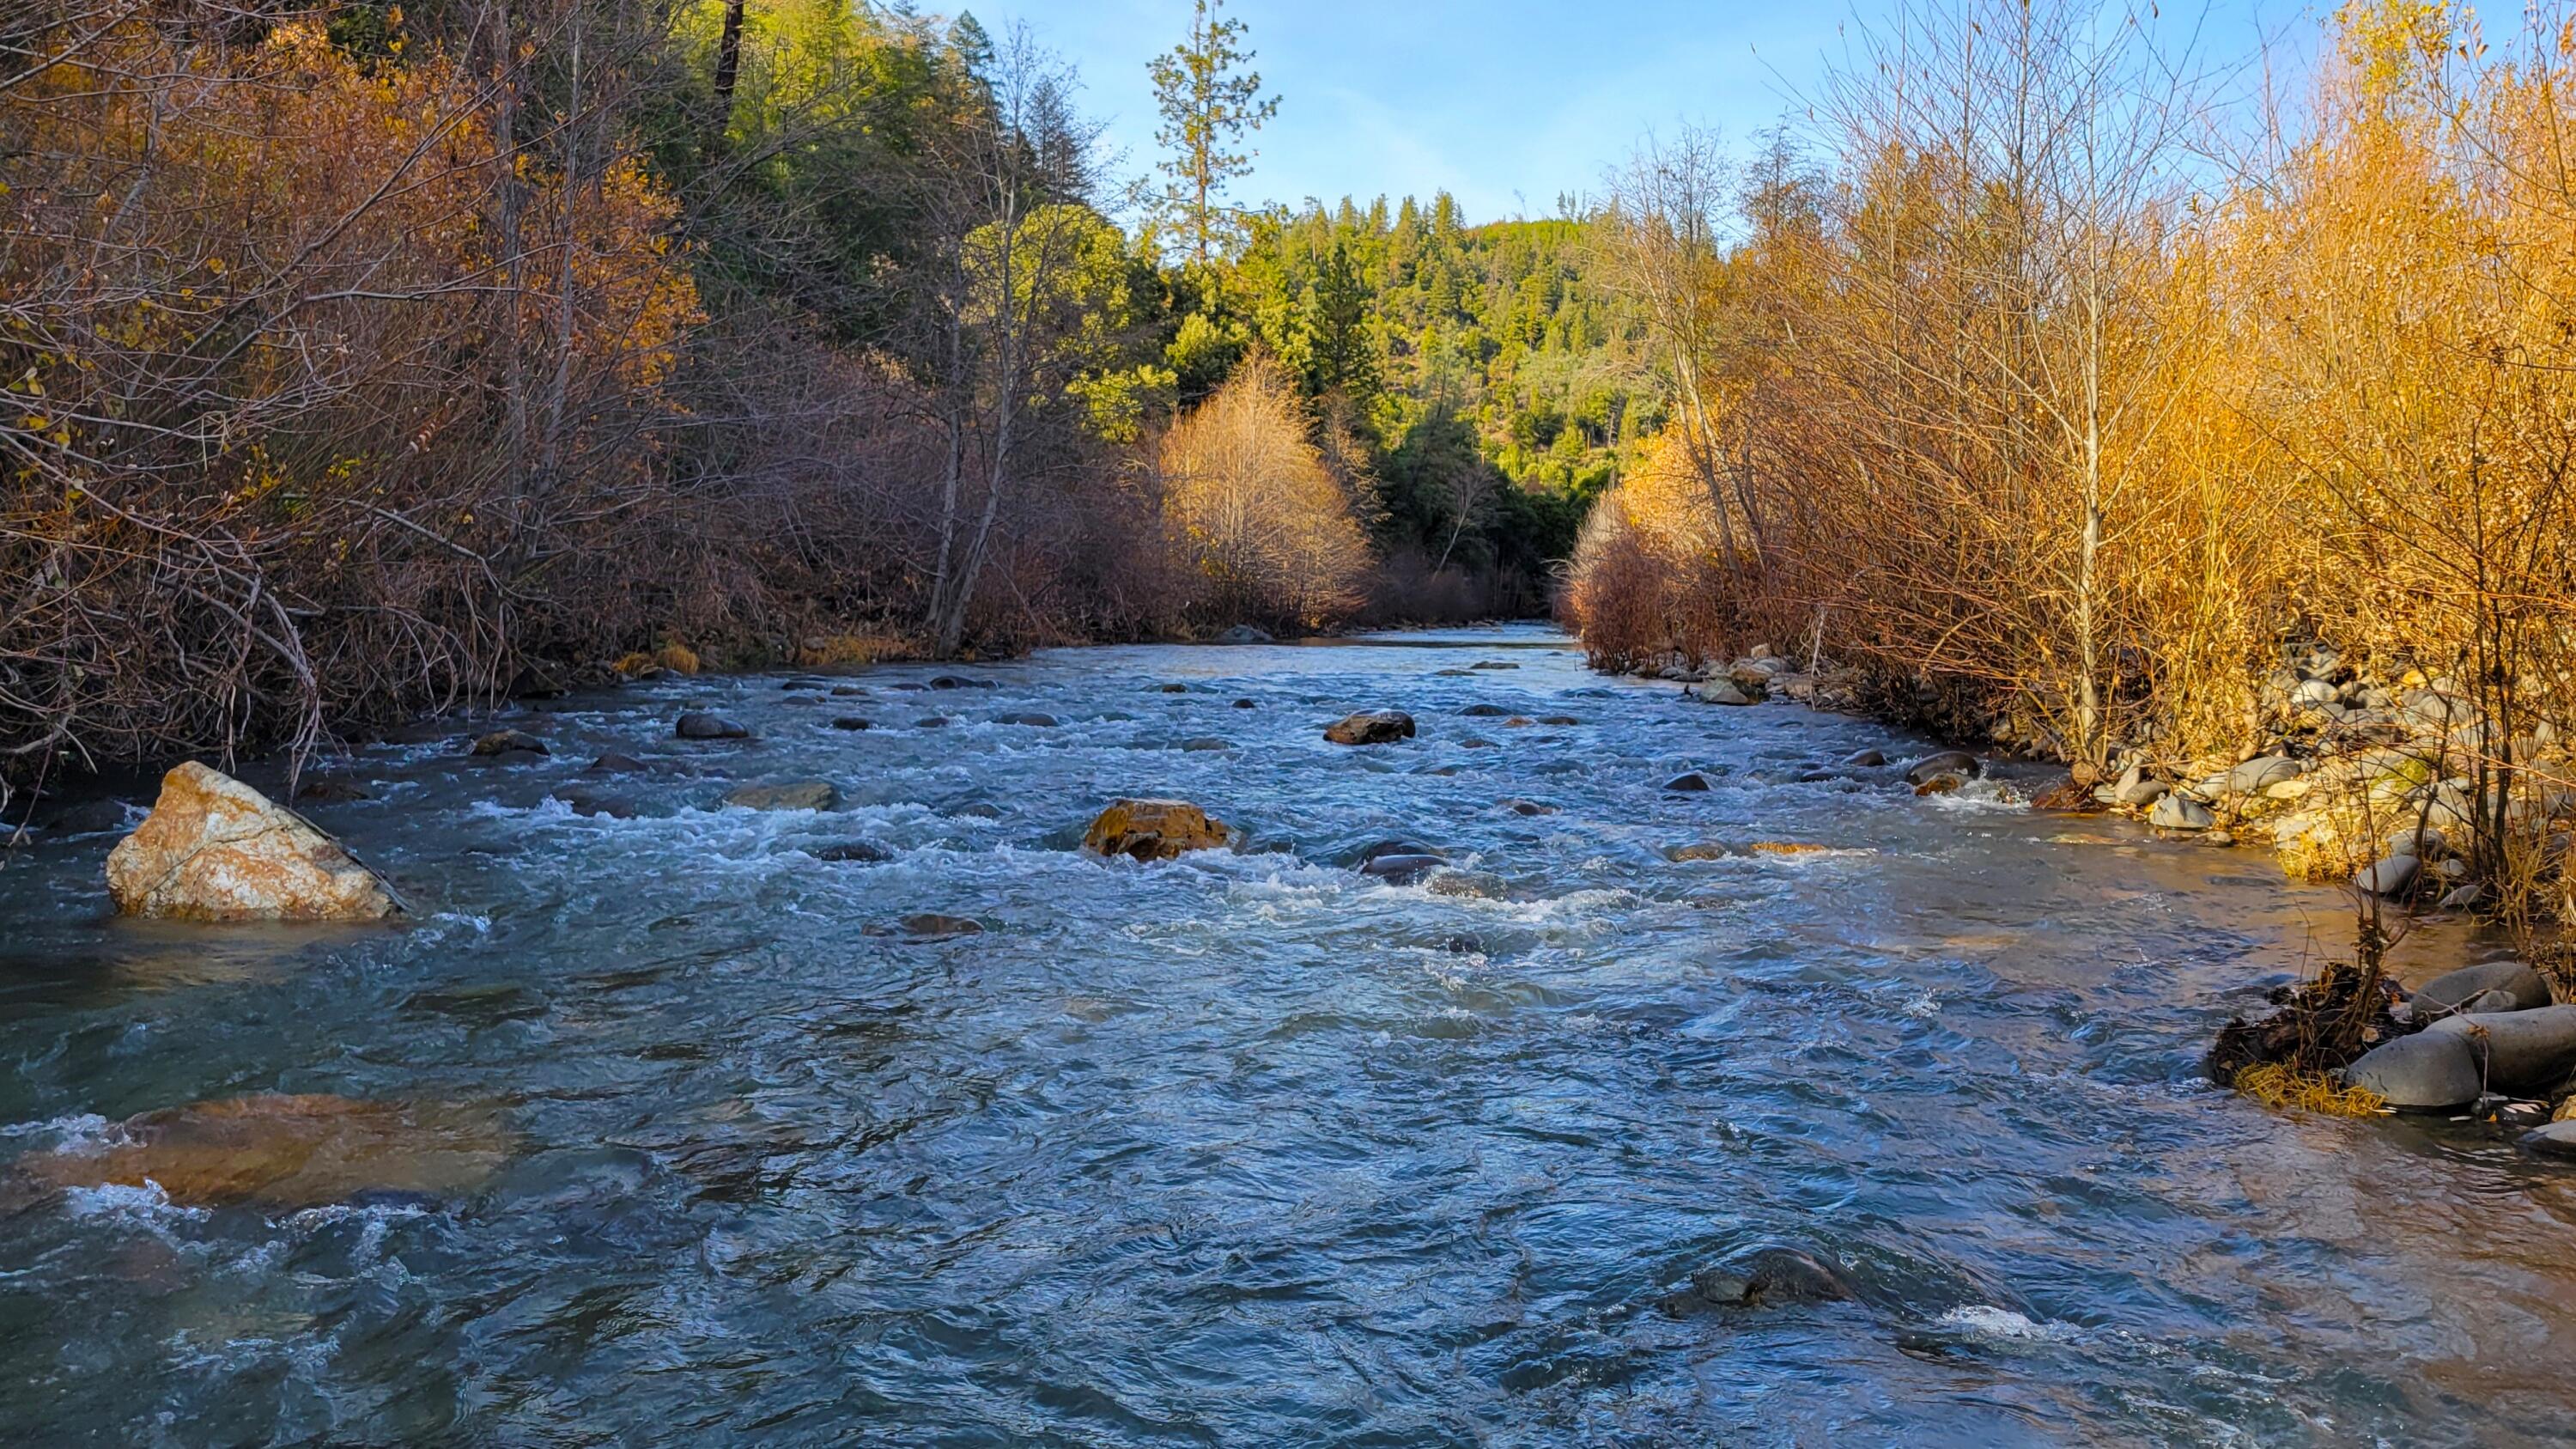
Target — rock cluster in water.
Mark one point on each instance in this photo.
(1153, 830)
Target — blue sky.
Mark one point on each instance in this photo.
(1505, 103)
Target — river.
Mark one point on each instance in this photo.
(1247, 1148)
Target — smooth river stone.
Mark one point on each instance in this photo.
(2454, 989)
(2420, 1073)
(2524, 1051)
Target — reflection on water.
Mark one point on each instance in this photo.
(1248, 1148)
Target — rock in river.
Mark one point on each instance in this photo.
(1947, 762)
(2419, 1073)
(2454, 989)
(1243, 634)
(2523, 1051)
(1690, 782)
(796, 795)
(1401, 869)
(1372, 727)
(281, 1152)
(1153, 830)
(502, 743)
(214, 849)
(696, 726)
(2174, 812)
(1760, 1277)
(2389, 876)
(2557, 1139)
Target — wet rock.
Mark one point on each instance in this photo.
(2557, 1139)
(597, 804)
(795, 795)
(697, 726)
(1942, 785)
(1205, 745)
(1176, 689)
(2066, 798)
(1401, 869)
(953, 681)
(1493, 664)
(852, 852)
(1476, 742)
(2419, 1073)
(852, 724)
(1947, 762)
(1373, 727)
(1558, 721)
(1244, 634)
(2175, 812)
(320, 790)
(214, 849)
(1703, 850)
(1528, 807)
(502, 743)
(1865, 759)
(2522, 1051)
(613, 763)
(931, 927)
(1467, 884)
(931, 722)
(1484, 711)
(1153, 830)
(847, 691)
(2452, 990)
(1247, 704)
(1759, 1278)
(1691, 782)
(287, 1152)
(1724, 692)
(1031, 721)
(2390, 876)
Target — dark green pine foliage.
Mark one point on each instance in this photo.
(1500, 379)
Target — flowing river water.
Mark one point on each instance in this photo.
(1248, 1148)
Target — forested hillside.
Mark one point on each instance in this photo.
(367, 358)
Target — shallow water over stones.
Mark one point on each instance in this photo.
(1250, 1147)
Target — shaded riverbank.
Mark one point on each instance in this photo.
(1249, 1148)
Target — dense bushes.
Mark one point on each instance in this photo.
(2019, 408)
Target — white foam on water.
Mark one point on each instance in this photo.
(82, 1129)
(146, 1207)
(1984, 1320)
(1981, 797)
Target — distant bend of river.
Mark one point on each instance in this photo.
(1249, 1149)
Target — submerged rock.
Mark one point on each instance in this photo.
(1153, 830)
(1031, 721)
(2419, 1073)
(796, 795)
(214, 849)
(613, 763)
(699, 726)
(1468, 884)
(1373, 727)
(289, 1152)
(1703, 850)
(1484, 711)
(1759, 1278)
(1401, 869)
(852, 852)
(928, 926)
(321, 790)
(852, 724)
(597, 804)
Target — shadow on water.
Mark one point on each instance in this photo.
(1252, 1148)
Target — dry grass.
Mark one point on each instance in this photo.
(2278, 1087)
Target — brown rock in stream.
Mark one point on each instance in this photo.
(214, 849)
(281, 1151)
(1153, 830)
